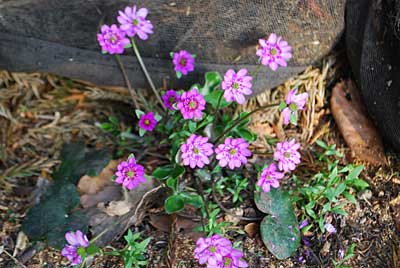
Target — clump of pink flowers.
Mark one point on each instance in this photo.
(134, 22)
(75, 240)
(170, 99)
(236, 85)
(183, 62)
(270, 177)
(112, 39)
(192, 104)
(147, 121)
(274, 52)
(196, 151)
(217, 251)
(287, 155)
(294, 103)
(130, 174)
(233, 153)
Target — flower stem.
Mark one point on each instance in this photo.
(239, 120)
(146, 73)
(253, 74)
(128, 83)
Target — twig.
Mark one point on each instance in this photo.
(14, 259)
(128, 83)
(227, 211)
(136, 50)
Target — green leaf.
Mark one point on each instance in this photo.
(280, 235)
(166, 171)
(282, 106)
(174, 204)
(141, 132)
(179, 75)
(139, 113)
(340, 189)
(52, 217)
(172, 183)
(192, 126)
(213, 97)
(276, 202)
(92, 249)
(355, 172)
(294, 116)
(246, 134)
(350, 197)
(194, 200)
(361, 184)
(212, 80)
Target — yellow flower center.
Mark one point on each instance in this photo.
(235, 85)
(293, 106)
(232, 151)
(183, 62)
(196, 150)
(147, 122)
(273, 51)
(212, 249)
(135, 22)
(287, 155)
(227, 262)
(131, 174)
(193, 105)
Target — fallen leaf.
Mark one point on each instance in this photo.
(161, 222)
(108, 194)
(22, 243)
(356, 128)
(94, 184)
(395, 204)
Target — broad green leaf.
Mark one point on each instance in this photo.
(355, 172)
(174, 204)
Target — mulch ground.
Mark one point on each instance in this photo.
(39, 112)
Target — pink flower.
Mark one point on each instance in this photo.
(147, 121)
(287, 155)
(212, 249)
(130, 174)
(195, 151)
(112, 39)
(134, 22)
(183, 61)
(76, 240)
(233, 152)
(236, 85)
(192, 104)
(274, 52)
(270, 177)
(294, 103)
(171, 98)
(232, 260)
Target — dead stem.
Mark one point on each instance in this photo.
(128, 83)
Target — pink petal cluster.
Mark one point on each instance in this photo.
(270, 177)
(236, 85)
(233, 152)
(217, 252)
(147, 121)
(130, 174)
(274, 51)
(112, 39)
(195, 151)
(287, 155)
(134, 22)
(171, 98)
(192, 104)
(75, 240)
(295, 102)
(183, 62)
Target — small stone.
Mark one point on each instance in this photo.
(251, 229)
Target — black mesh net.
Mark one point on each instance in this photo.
(373, 47)
(60, 36)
